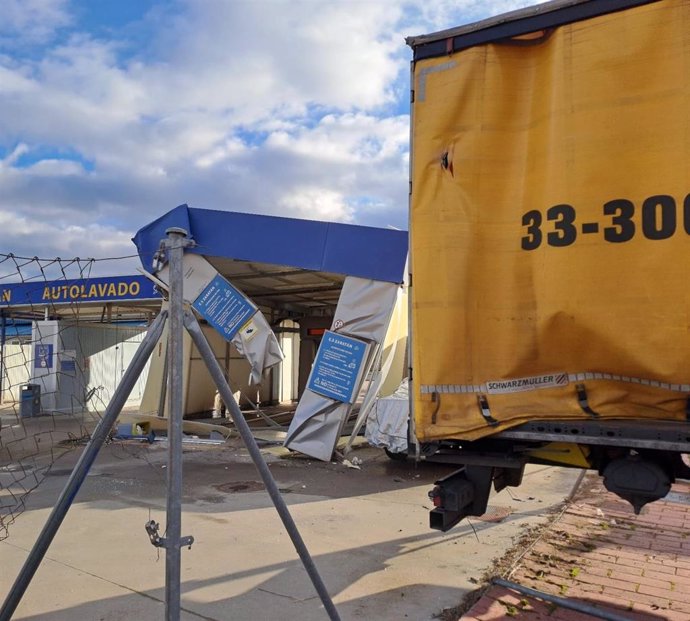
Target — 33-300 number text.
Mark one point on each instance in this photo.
(659, 220)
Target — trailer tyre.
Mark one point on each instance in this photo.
(396, 456)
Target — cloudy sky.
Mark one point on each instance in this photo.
(113, 112)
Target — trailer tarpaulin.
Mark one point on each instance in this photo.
(550, 215)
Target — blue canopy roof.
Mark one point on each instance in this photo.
(351, 250)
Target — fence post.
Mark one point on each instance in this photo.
(3, 334)
(175, 243)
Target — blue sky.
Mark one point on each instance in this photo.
(112, 112)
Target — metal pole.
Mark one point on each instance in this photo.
(216, 372)
(82, 467)
(3, 334)
(164, 387)
(176, 244)
(587, 609)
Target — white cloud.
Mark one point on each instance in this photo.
(317, 204)
(283, 107)
(12, 157)
(54, 168)
(12, 81)
(32, 21)
(92, 240)
(254, 57)
(428, 17)
(347, 138)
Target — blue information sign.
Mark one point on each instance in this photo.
(337, 367)
(68, 365)
(224, 307)
(43, 357)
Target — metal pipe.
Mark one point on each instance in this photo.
(164, 387)
(586, 609)
(175, 244)
(242, 427)
(576, 486)
(3, 334)
(82, 467)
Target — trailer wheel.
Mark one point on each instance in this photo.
(396, 456)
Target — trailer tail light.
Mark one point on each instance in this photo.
(436, 496)
(453, 498)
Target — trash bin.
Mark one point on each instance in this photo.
(30, 400)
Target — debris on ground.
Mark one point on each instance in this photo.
(597, 552)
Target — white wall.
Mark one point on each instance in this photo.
(107, 366)
(16, 370)
(104, 353)
(286, 375)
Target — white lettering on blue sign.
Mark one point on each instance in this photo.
(338, 366)
(224, 307)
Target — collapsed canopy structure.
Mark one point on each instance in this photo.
(313, 280)
(225, 237)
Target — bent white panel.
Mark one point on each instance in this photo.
(364, 311)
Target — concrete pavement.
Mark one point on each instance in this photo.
(366, 529)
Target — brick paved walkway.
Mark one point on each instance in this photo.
(598, 552)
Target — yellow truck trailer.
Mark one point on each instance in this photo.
(549, 248)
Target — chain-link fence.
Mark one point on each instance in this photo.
(66, 338)
(55, 408)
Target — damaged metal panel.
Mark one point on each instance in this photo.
(363, 312)
(331, 247)
(206, 290)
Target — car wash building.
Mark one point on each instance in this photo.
(324, 289)
(69, 341)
